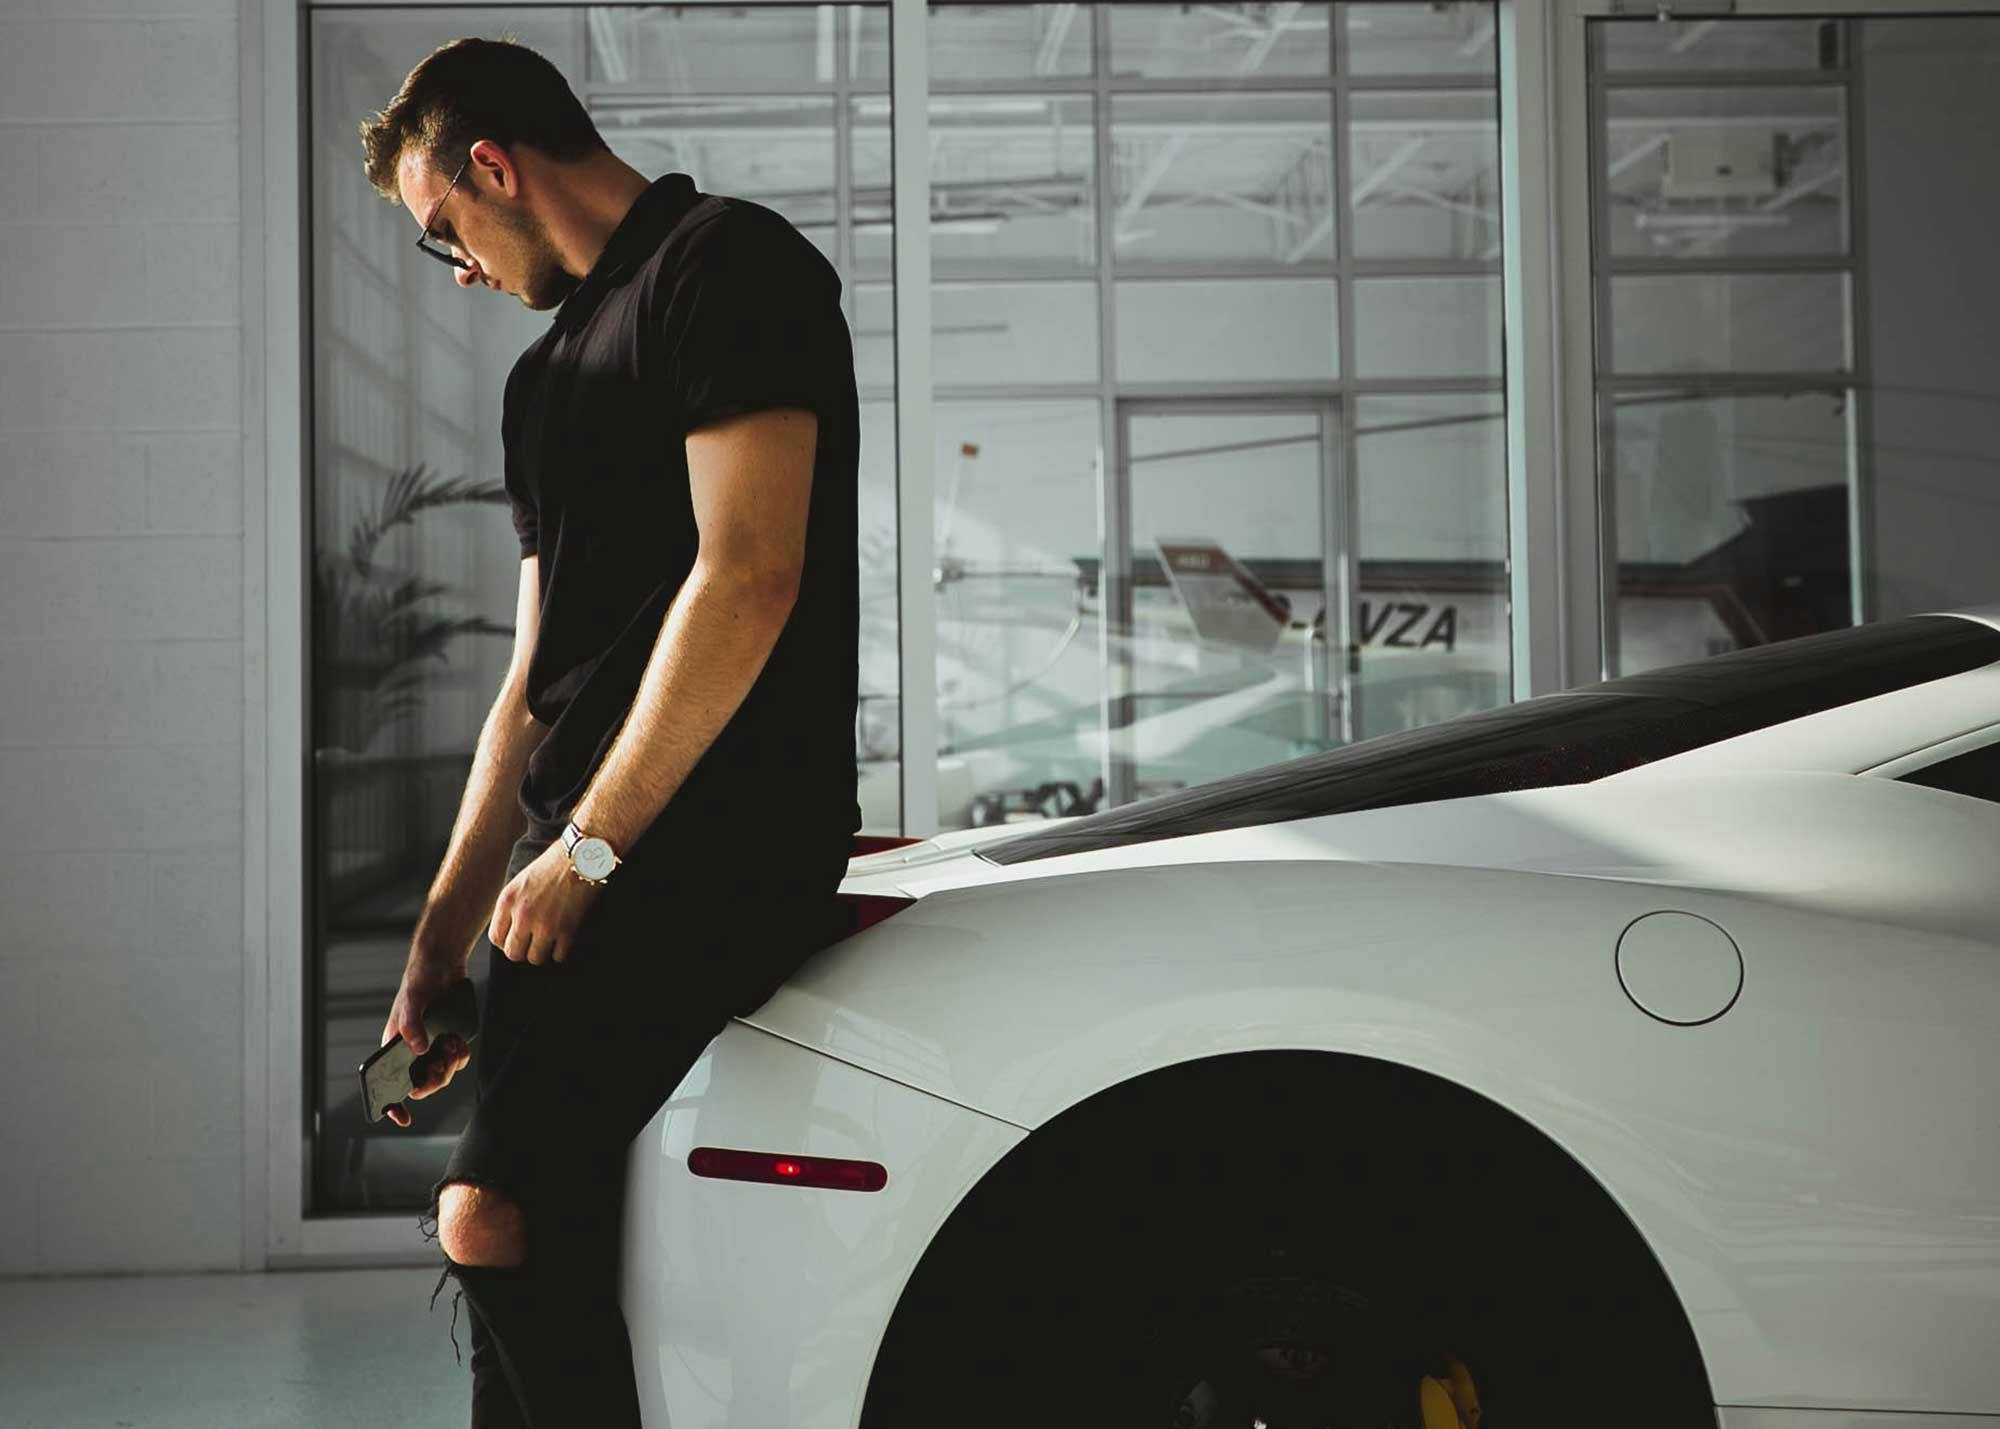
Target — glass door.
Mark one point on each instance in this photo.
(1230, 584)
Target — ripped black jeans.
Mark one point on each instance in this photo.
(571, 1062)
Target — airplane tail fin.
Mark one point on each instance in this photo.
(1227, 604)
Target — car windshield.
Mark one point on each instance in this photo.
(1567, 738)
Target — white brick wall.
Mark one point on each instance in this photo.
(121, 639)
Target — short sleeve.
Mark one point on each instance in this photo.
(527, 524)
(755, 322)
(520, 495)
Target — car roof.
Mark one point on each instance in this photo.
(1851, 738)
(1858, 736)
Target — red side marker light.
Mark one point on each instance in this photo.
(831, 1173)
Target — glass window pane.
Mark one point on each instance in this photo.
(1689, 465)
(1427, 327)
(1018, 663)
(1432, 484)
(1424, 174)
(1704, 173)
(1011, 184)
(1651, 44)
(1732, 520)
(1431, 616)
(776, 151)
(1251, 329)
(873, 181)
(703, 49)
(1228, 585)
(1250, 481)
(968, 42)
(868, 46)
(878, 731)
(1014, 332)
(1009, 41)
(1220, 40)
(1223, 177)
(1420, 39)
(987, 332)
(874, 328)
(1729, 322)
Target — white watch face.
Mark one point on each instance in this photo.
(593, 858)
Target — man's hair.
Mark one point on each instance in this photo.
(473, 89)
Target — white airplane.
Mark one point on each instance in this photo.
(1233, 674)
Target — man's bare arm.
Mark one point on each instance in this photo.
(750, 478)
(489, 820)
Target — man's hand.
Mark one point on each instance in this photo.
(539, 911)
(424, 981)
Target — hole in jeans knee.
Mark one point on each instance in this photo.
(434, 1212)
(465, 1272)
(501, 1228)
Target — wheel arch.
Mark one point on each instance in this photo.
(1413, 1123)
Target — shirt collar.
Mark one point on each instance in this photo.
(652, 215)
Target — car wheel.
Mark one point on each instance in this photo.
(1298, 1276)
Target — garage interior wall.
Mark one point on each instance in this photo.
(122, 680)
(1932, 116)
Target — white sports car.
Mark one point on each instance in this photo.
(1628, 1056)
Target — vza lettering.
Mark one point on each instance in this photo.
(1409, 625)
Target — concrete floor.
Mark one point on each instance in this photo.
(322, 1349)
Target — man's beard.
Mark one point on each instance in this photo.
(548, 285)
(544, 282)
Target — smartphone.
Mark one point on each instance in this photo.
(385, 1076)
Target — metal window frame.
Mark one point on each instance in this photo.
(1554, 545)
(1332, 408)
(1573, 243)
(1553, 565)
(1850, 378)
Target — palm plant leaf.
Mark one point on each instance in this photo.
(409, 492)
(375, 637)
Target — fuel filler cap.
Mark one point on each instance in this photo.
(1679, 968)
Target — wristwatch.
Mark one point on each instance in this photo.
(590, 858)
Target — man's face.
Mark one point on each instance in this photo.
(496, 232)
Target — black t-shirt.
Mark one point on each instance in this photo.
(700, 306)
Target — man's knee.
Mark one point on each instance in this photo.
(479, 1225)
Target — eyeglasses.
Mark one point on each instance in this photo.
(439, 253)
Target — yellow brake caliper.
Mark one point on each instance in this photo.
(1451, 1402)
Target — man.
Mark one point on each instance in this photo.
(678, 723)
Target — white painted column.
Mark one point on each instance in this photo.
(1554, 549)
